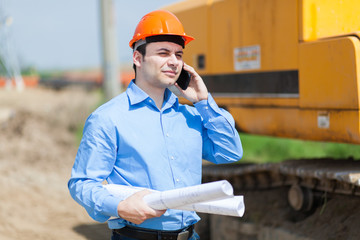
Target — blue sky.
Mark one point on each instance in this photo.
(65, 34)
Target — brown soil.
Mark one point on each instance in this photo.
(37, 150)
(334, 217)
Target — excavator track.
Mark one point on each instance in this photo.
(327, 175)
(292, 200)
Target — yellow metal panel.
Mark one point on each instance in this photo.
(298, 123)
(223, 25)
(329, 73)
(223, 19)
(325, 18)
(271, 25)
(268, 121)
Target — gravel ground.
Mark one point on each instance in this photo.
(37, 151)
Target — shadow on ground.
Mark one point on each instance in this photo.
(97, 231)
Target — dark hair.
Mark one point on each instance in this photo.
(142, 50)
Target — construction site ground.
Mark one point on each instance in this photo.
(37, 150)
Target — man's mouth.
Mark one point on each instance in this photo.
(170, 73)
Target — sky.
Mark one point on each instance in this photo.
(65, 34)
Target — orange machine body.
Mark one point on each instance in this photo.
(287, 68)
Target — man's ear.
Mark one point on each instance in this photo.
(137, 58)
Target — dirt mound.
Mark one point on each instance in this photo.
(37, 150)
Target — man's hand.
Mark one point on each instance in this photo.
(135, 210)
(196, 90)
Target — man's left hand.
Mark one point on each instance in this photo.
(196, 91)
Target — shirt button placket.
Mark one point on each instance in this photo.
(177, 180)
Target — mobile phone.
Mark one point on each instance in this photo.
(184, 79)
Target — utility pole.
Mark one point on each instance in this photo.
(111, 72)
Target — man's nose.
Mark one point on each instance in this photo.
(173, 61)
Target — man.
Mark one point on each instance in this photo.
(145, 138)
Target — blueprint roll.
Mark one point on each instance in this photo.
(212, 198)
(189, 195)
(233, 206)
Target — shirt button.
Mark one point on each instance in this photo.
(167, 135)
(172, 157)
(177, 180)
(206, 108)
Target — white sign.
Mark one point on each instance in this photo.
(247, 58)
(323, 120)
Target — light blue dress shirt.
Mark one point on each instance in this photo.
(129, 141)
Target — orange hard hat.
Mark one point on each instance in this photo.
(159, 22)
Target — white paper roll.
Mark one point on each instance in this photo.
(213, 198)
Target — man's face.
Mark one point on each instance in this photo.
(162, 63)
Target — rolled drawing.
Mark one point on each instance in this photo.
(233, 206)
(189, 195)
(123, 191)
(199, 198)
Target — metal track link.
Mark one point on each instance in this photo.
(328, 175)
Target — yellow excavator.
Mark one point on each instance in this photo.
(285, 68)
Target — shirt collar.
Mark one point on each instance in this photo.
(137, 95)
(170, 99)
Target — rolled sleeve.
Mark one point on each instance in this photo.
(221, 140)
(110, 206)
(208, 108)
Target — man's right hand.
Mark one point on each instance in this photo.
(135, 210)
